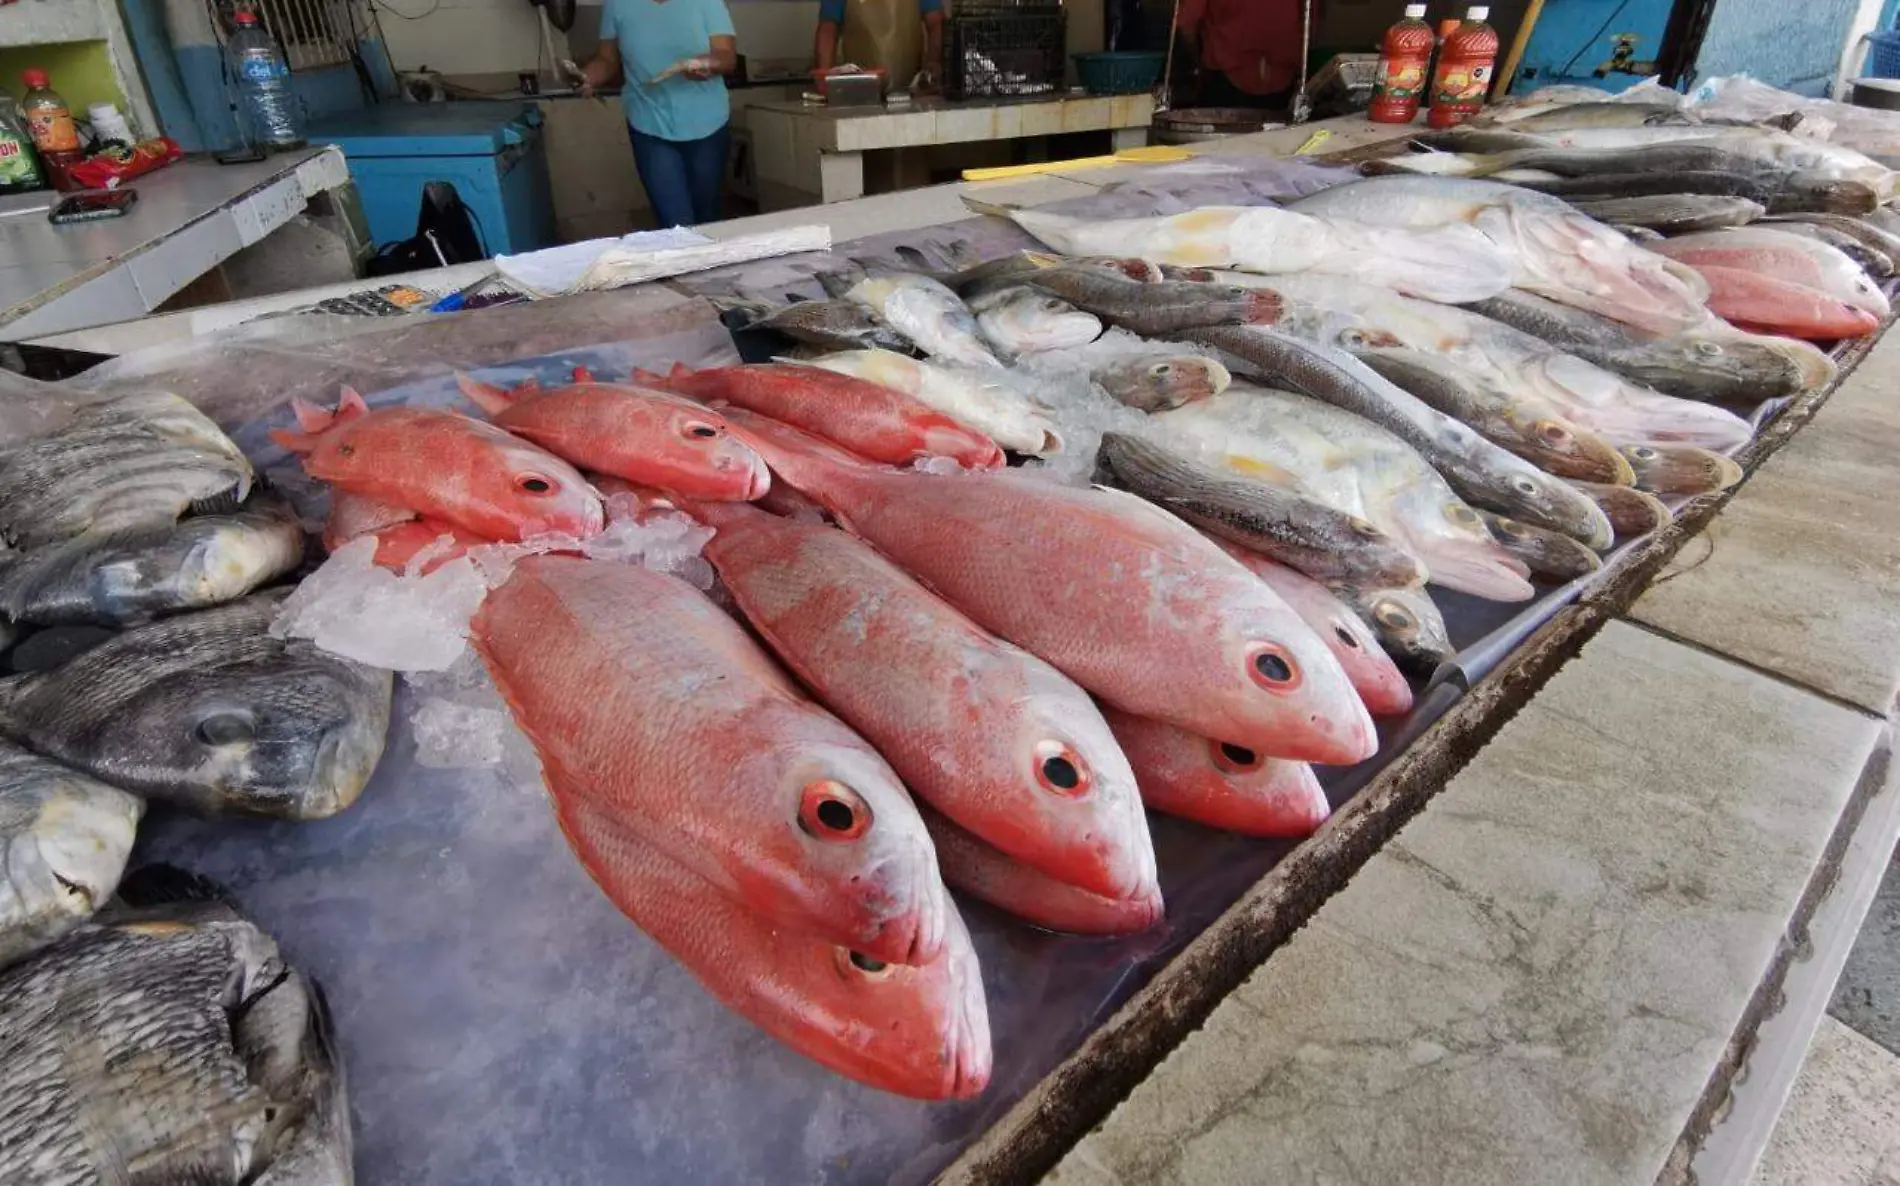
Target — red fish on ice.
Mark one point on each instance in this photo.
(1218, 783)
(651, 437)
(443, 465)
(873, 421)
(647, 700)
(1115, 593)
(918, 1031)
(995, 738)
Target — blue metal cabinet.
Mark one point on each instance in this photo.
(492, 152)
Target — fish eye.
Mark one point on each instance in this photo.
(1641, 453)
(1393, 617)
(703, 431)
(1061, 770)
(1161, 369)
(830, 810)
(1234, 759)
(1551, 433)
(1458, 512)
(1523, 485)
(533, 484)
(1236, 292)
(1273, 669)
(1709, 349)
(346, 449)
(1510, 527)
(1345, 636)
(224, 728)
(1352, 339)
(861, 966)
(1363, 527)
(1052, 305)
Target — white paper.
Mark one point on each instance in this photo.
(646, 255)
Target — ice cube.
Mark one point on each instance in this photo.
(352, 608)
(457, 736)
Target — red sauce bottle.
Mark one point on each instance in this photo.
(1464, 70)
(1404, 61)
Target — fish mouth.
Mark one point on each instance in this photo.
(1263, 306)
(1683, 469)
(758, 479)
(1812, 365)
(970, 1055)
(1482, 571)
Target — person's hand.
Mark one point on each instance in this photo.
(927, 80)
(697, 67)
(585, 89)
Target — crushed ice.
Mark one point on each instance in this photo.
(1082, 410)
(460, 722)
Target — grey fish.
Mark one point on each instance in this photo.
(840, 325)
(1604, 115)
(210, 712)
(1673, 213)
(1870, 236)
(1875, 263)
(139, 573)
(168, 1047)
(1681, 469)
(1157, 382)
(1519, 422)
(1409, 624)
(1632, 512)
(922, 309)
(1547, 554)
(1324, 543)
(138, 460)
(1734, 368)
(983, 278)
(1023, 319)
(1478, 470)
(1780, 193)
(1157, 308)
(64, 839)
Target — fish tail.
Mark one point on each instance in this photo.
(489, 398)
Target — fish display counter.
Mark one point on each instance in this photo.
(498, 1017)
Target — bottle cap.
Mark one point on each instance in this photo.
(244, 16)
(98, 111)
(34, 78)
(1414, 12)
(1477, 13)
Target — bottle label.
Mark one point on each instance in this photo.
(53, 130)
(261, 68)
(1400, 79)
(16, 164)
(1462, 84)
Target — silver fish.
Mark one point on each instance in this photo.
(1318, 540)
(139, 573)
(64, 839)
(1872, 237)
(1409, 625)
(1478, 470)
(923, 310)
(139, 460)
(836, 324)
(1157, 382)
(1158, 308)
(169, 1046)
(1778, 191)
(210, 712)
(1021, 320)
(1673, 213)
(1547, 554)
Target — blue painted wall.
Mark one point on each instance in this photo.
(1795, 46)
(1574, 37)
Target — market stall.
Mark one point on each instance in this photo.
(501, 1020)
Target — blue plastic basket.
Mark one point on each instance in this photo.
(1883, 55)
(1125, 72)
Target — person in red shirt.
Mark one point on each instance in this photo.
(1248, 50)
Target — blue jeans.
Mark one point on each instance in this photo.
(685, 179)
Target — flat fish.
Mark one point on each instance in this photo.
(1218, 783)
(652, 437)
(1483, 473)
(169, 1045)
(135, 574)
(140, 460)
(1157, 382)
(993, 737)
(875, 421)
(1547, 554)
(920, 1030)
(1271, 520)
(650, 704)
(923, 310)
(1445, 263)
(1022, 320)
(973, 867)
(209, 712)
(64, 840)
(977, 398)
(1156, 618)
(444, 465)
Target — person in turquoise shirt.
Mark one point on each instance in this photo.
(672, 56)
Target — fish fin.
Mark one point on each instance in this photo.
(351, 407)
(834, 284)
(997, 209)
(679, 371)
(1045, 259)
(647, 378)
(310, 417)
(1265, 471)
(486, 396)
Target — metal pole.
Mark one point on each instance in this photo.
(1502, 84)
(1167, 71)
(1302, 107)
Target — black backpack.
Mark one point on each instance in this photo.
(446, 233)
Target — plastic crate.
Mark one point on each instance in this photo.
(1126, 72)
(1883, 55)
(994, 51)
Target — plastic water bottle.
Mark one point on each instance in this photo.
(266, 106)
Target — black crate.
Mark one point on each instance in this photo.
(996, 50)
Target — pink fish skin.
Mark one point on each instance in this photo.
(643, 697)
(918, 1031)
(1766, 304)
(1220, 784)
(1031, 895)
(651, 437)
(1374, 675)
(872, 421)
(401, 535)
(1118, 595)
(443, 465)
(995, 738)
